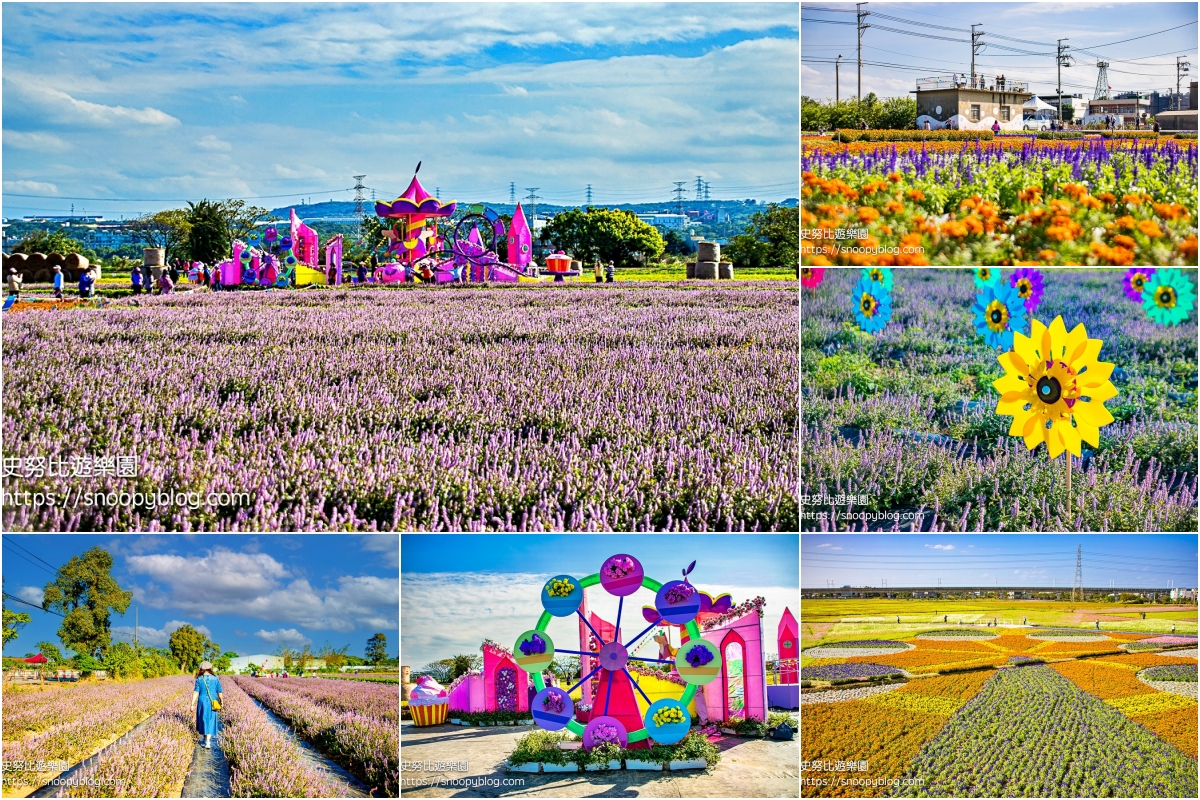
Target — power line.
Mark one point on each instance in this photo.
(35, 555)
(166, 199)
(8, 596)
(1135, 38)
(919, 24)
(39, 566)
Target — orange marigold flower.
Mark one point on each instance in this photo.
(1150, 228)
(1030, 194)
(893, 207)
(1116, 256)
(1047, 255)
(1188, 247)
(810, 177)
(1131, 198)
(1125, 241)
(1059, 234)
(955, 229)
(1090, 202)
(820, 261)
(895, 177)
(1060, 207)
(971, 202)
(916, 195)
(973, 224)
(1036, 215)
(1124, 222)
(886, 230)
(1170, 210)
(867, 214)
(1074, 190)
(910, 239)
(1107, 197)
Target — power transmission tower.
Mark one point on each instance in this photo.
(976, 46)
(706, 185)
(699, 187)
(679, 196)
(512, 193)
(861, 27)
(359, 195)
(1063, 60)
(1078, 584)
(437, 192)
(532, 198)
(589, 193)
(1181, 67)
(1102, 81)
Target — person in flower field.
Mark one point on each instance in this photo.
(207, 697)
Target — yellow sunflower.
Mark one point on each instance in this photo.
(1054, 387)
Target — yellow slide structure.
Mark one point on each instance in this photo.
(306, 275)
(655, 689)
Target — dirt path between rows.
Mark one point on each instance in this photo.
(208, 776)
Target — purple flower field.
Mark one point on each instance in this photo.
(900, 430)
(833, 672)
(449, 409)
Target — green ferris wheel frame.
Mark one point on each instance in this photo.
(591, 580)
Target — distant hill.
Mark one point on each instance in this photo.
(345, 209)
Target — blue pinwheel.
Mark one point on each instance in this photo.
(872, 305)
(999, 311)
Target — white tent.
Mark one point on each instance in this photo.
(1035, 104)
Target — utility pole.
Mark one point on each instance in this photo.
(976, 46)
(1181, 67)
(837, 81)
(1079, 573)
(861, 27)
(1063, 60)
(135, 627)
(359, 195)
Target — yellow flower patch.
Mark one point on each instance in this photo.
(1105, 681)
(1177, 726)
(911, 701)
(1156, 703)
(963, 686)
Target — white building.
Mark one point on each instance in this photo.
(1183, 594)
(667, 222)
(242, 663)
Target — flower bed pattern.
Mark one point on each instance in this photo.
(835, 672)
(1177, 726)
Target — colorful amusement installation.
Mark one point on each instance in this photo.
(272, 259)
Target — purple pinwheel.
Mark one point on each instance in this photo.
(1135, 281)
(1029, 285)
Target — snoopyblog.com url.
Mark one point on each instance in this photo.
(864, 782)
(74, 498)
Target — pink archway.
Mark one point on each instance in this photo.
(732, 638)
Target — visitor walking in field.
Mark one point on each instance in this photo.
(207, 696)
(58, 282)
(995, 126)
(86, 282)
(610, 272)
(14, 283)
(135, 280)
(599, 272)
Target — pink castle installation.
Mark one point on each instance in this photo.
(520, 239)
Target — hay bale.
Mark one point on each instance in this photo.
(708, 251)
(725, 270)
(691, 269)
(154, 256)
(75, 261)
(43, 276)
(707, 270)
(33, 264)
(577, 266)
(55, 259)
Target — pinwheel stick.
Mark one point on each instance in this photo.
(1068, 481)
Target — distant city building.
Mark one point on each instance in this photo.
(1128, 109)
(974, 103)
(68, 218)
(242, 663)
(111, 236)
(667, 222)
(1183, 594)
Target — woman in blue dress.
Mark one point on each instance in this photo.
(206, 691)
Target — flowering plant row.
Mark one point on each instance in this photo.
(1174, 672)
(668, 716)
(866, 643)
(839, 671)
(735, 613)
(1177, 726)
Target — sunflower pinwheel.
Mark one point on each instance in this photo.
(879, 275)
(1053, 379)
(811, 277)
(1029, 285)
(1168, 297)
(999, 312)
(985, 277)
(872, 305)
(1135, 281)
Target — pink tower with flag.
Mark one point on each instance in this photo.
(520, 239)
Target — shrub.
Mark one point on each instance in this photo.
(540, 746)
(1129, 134)
(1187, 136)
(851, 135)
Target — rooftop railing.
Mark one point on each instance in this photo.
(961, 80)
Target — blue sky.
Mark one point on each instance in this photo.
(247, 593)
(154, 104)
(1131, 560)
(1146, 64)
(458, 589)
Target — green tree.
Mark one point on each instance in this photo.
(166, 229)
(241, 219)
(745, 251)
(86, 663)
(333, 658)
(13, 622)
(222, 662)
(894, 113)
(462, 664)
(59, 241)
(121, 661)
(376, 648)
(771, 239)
(51, 652)
(608, 234)
(85, 591)
(208, 240)
(187, 645)
(675, 245)
(155, 662)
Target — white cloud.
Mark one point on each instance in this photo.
(239, 633)
(824, 545)
(502, 607)
(39, 142)
(85, 110)
(516, 91)
(31, 594)
(252, 585)
(155, 637)
(940, 546)
(30, 187)
(289, 636)
(386, 543)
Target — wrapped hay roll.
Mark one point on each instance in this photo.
(691, 269)
(725, 270)
(708, 251)
(707, 270)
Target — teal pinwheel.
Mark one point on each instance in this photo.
(1168, 296)
(985, 276)
(872, 305)
(999, 312)
(881, 275)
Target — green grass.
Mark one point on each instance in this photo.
(678, 272)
